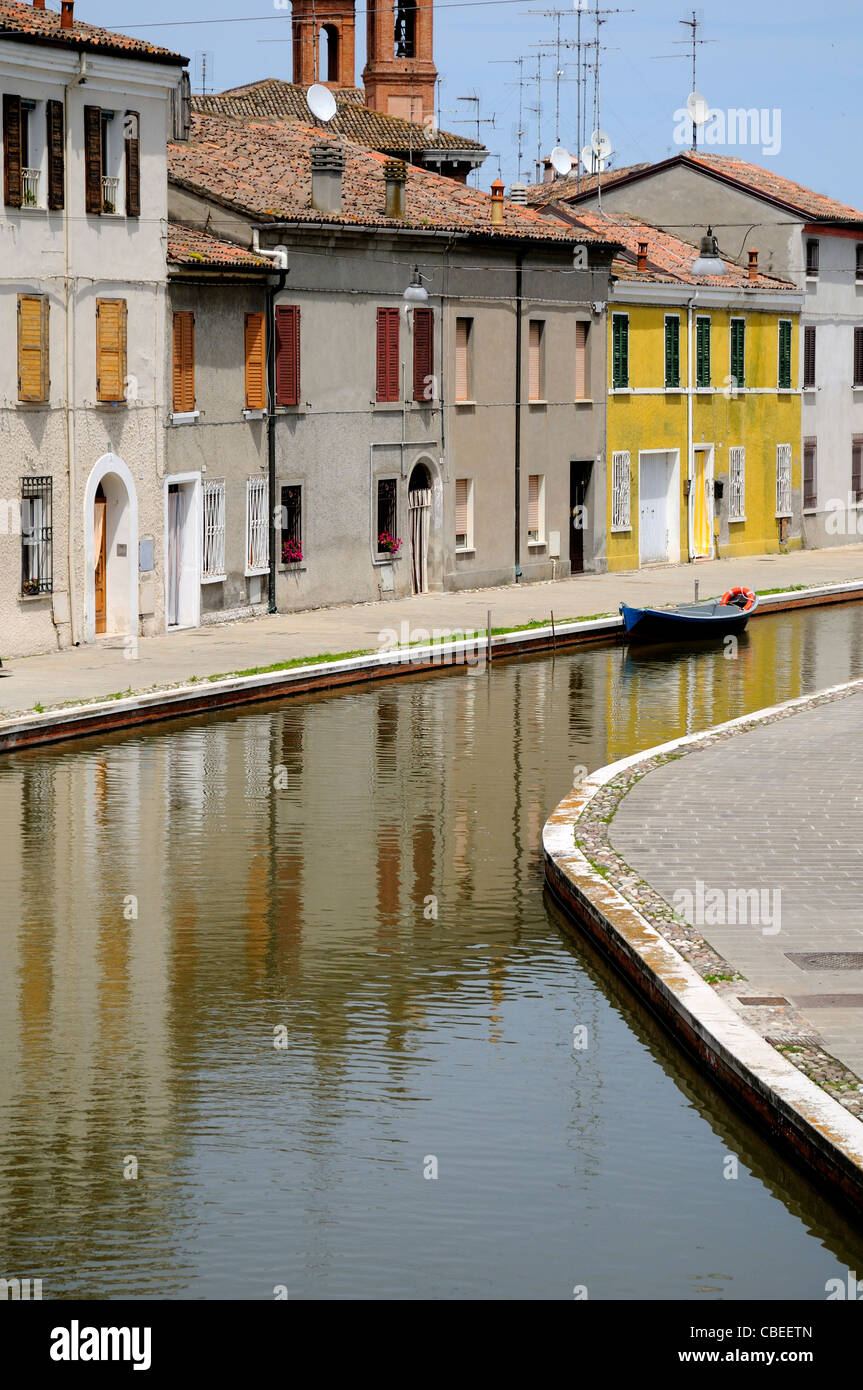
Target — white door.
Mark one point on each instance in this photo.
(653, 509)
(183, 554)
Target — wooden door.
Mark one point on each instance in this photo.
(101, 558)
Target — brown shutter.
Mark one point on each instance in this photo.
(184, 363)
(13, 182)
(388, 355)
(93, 158)
(809, 487)
(461, 507)
(131, 128)
(857, 468)
(533, 502)
(809, 356)
(256, 362)
(287, 354)
(535, 378)
(56, 154)
(110, 349)
(580, 360)
(858, 356)
(462, 368)
(33, 384)
(423, 353)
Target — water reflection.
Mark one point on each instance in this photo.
(364, 870)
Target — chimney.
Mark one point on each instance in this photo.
(497, 203)
(753, 264)
(38, 4)
(328, 163)
(67, 14)
(641, 264)
(395, 178)
(518, 194)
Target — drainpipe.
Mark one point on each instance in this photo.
(69, 305)
(280, 261)
(519, 261)
(690, 387)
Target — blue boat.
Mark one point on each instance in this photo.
(690, 622)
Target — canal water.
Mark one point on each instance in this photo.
(284, 1006)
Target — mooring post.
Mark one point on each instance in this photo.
(553, 635)
(488, 637)
(696, 591)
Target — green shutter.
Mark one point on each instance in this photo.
(702, 353)
(672, 352)
(738, 351)
(619, 350)
(784, 355)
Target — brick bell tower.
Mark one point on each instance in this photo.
(399, 75)
(323, 35)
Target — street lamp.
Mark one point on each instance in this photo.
(416, 293)
(708, 262)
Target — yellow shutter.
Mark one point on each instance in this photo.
(533, 503)
(184, 363)
(535, 387)
(462, 374)
(580, 360)
(110, 349)
(256, 363)
(33, 384)
(461, 507)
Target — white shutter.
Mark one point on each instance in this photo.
(783, 479)
(461, 513)
(581, 360)
(534, 499)
(737, 484)
(535, 387)
(620, 488)
(213, 547)
(257, 537)
(462, 348)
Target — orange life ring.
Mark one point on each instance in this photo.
(733, 597)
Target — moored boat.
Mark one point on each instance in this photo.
(690, 621)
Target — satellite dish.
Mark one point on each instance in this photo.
(699, 111)
(600, 143)
(591, 161)
(561, 160)
(321, 102)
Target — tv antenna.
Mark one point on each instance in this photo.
(696, 104)
(205, 64)
(321, 102)
(521, 84)
(477, 121)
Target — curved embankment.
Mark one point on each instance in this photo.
(822, 1134)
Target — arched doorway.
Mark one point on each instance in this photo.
(110, 551)
(419, 515)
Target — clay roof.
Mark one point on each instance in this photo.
(190, 248)
(263, 171)
(669, 259)
(272, 99)
(20, 21)
(541, 194)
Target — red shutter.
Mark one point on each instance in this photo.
(56, 155)
(13, 181)
(287, 354)
(131, 128)
(423, 354)
(388, 355)
(93, 158)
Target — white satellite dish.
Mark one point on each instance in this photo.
(321, 102)
(561, 160)
(591, 161)
(699, 111)
(600, 143)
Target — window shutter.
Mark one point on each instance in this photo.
(533, 502)
(423, 353)
(858, 356)
(184, 363)
(672, 352)
(388, 355)
(110, 349)
(784, 355)
(581, 360)
(461, 507)
(33, 384)
(809, 356)
(857, 468)
(809, 460)
(287, 354)
(56, 154)
(535, 361)
(13, 182)
(702, 352)
(738, 351)
(620, 350)
(462, 372)
(131, 131)
(256, 362)
(93, 158)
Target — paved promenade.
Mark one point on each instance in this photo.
(88, 673)
(777, 809)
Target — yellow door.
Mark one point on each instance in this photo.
(701, 504)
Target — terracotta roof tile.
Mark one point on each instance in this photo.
(273, 99)
(669, 259)
(541, 194)
(816, 206)
(264, 171)
(187, 247)
(20, 21)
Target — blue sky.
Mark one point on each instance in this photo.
(767, 56)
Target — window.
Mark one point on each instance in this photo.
(257, 528)
(292, 525)
(858, 356)
(184, 364)
(33, 382)
(464, 513)
(582, 374)
(812, 258)
(132, 158)
(737, 484)
(702, 352)
(37, 574)
(859, 260)
(424, 385)
(463, 359)
(287, 354)
(809, 355)
(620, 490)
(256, 362)
(536, 509)
(388, 355)
(810, 490)
(857, 468)
(387, 523)
(26, 137)
(738, 353)
(56, 139)
(536, 374)
(213, 547)
(101, 161)
(783, 479)
(111, 350)
(784, 354)
(619, 351)
(672, 351)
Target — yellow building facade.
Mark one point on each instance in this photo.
(703, 422)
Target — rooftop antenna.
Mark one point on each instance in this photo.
(695, 104)
(537, 111)
(521, 84)
(599, 139)
(476, 120)
(321, 102)
(205, 64)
